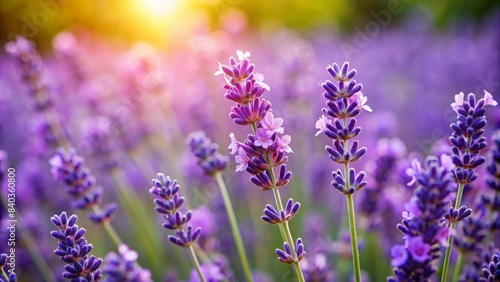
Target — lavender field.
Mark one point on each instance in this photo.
(229, 145)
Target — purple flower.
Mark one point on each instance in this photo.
(263, 138)
(69, 168)
(418, 249)
(272, 124)
(124, 267)
(211, 271)
(399, 255)
(74, 249)
(207, 153)
(415, 168)
(423, 225)
(168, 203)
(321, 124)
(242, 160)
(286, 255)
(283, 143)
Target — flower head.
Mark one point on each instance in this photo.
(263, 138)
(242, 159)
(321, 124)
(399, 255)
(283, 143)
(272, 124)
(418, 249)
(488, 99)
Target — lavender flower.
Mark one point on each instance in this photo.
(207, 153)
(74, 249)
(30, 65)
(212, 272)
(212, 164)
(168, 202)
(492, 201)
(68, 168)
(264, 149)
(344, 102)
(123, 267)
(316, 268)
(424, 227)
(491, 271)
(467, 142)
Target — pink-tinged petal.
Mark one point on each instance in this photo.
(488, 99)
(321, 124)
(242, 55)
(259, 80)
(459, 101)
(234, 144)
(399, 255)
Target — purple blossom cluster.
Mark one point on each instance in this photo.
(423, 226)
(168, 203)
(207, 153)
(263, 150)
(123, 266)
(73, 249)
(69, 168)
(344, 102)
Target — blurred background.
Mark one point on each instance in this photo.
(129, 80)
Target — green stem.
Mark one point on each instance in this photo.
(284, 228)
(286, 231)
(450, 237)
(109, 228)
(234, 227)
(350, 213)
(4, 274)
(458, 266)
(354, 239)
(192, 254)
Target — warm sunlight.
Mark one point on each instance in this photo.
(159, 7)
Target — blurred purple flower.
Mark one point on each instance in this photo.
(212, 273)
(399, 255)
(418, 249)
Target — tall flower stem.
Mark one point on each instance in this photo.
(234, 227)
(352, 219)
(285, 229)
(458, 266)
(4, 275)
(354, 240)
(192, 254)
(450, 238)
(109, 228)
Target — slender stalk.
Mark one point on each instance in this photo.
(285, 228)
(354, 239)
(234, 227)
(109, 228)
(352, 219)
(450, 238)
(458, 266)
(192, 254)
(4, 275)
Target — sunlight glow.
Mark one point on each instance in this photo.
(159, 7)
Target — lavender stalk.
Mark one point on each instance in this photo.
(263, 150)
(168, 203)
(212, 164)
(345, 102)
(467, 142)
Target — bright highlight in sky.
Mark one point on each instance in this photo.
(159, 7)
